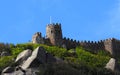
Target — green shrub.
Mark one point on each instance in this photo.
(93, 60)
(5, 61)
(71, 60)
(16, 51)
(25, 46)
(54, 50)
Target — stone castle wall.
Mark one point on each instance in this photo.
(93, 45)
(69, 43)
(54, 37)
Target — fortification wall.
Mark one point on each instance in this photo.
(111, 45)
(70, 43)
(93, 45)
(54, 37)
(89, 45)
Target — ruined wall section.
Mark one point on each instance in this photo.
(47, 41)
(37, 38)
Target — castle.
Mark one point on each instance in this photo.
(54, 37)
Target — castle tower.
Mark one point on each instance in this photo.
(54, 33)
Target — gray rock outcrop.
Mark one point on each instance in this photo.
(29, 62)
(23, 56)
(38, 57)
(50, 58)
(59, 60)
(112, 65)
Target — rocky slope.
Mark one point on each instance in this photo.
(28, 62)
(36, 59)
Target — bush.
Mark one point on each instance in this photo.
(54, 50)
(5, 61)
(4, 47)
(16, 51)
(93, 60)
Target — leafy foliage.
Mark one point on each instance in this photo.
(54, 50)
(93, 60)
(5, 61)
(4, 47)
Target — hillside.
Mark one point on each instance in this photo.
(76, 61)
(58, 55)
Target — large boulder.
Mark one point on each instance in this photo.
(38, 57)
(111, 64)
(50, 58)
(32, 71)
(59, 60)
(23, 56)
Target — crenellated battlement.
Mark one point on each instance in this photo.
(70, 43)
(54, 25)
(54, 37)
(93, 45)
(70, 40)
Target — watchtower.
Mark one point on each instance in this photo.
(54, 33)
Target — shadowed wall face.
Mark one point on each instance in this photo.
(113, 46)
(108, 46)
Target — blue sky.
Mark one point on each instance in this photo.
(80, 19)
